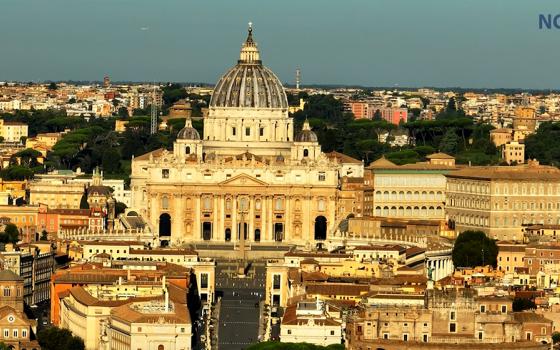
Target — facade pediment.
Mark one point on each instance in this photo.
(243, 180)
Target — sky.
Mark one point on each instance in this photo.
(405, 43)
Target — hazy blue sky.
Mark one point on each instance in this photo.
(469, 43)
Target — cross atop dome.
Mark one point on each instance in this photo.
(249, 51)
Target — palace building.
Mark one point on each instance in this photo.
(247, 174)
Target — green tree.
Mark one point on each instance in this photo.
(474, 248)
(52, 86)
(450, 142)
(123, 112)
(44, 235)
(119, 208)
(111, 161)
(55, 338)
(556, 337)
(10, 234)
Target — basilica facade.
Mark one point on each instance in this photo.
(247, 178)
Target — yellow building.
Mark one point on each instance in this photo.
(501, 136)
(43, 140)
(510, 256)
(501, 200)
(410, 191)
(114, 316)
(12, 131)
(246, 175)
(24, 217)
(307, 322)
(56, 193)
(513, 153)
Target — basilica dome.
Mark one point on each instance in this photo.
(249, 84)
(188, 132)
(306, 134)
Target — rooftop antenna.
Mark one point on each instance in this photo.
(154, 114)
(298, 78)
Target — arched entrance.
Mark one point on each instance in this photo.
(228, 234)
(278, 232)
(320, 228)
(206, 231)
(165, 225)
(258, 235)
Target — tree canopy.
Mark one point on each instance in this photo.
(474, 248)
(10, 234)
(55, 338)
(543, 145)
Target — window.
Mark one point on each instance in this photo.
(15, 333)
(480, 335)
(164, 202)
(24, 333)
(207, 203)
(233, 131)
(203, 280)
(279, 204)
(182, 330)
(306, 152)
(188, 150)
(261, 131)
(322, 176)
(276, 282)
(332, 332)
(247, 131)
(165, 173)
(6, 333)
(385, 335)
(482, 308)
(504, 309)
(425, 338)
(6, 291)
(452, 315)
(405, 337)
(289, 331)
(452, 327)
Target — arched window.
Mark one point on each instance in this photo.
(188, 150)
(306, 152)
(164, 203)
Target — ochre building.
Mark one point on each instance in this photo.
(247, 175)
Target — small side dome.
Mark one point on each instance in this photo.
(188, 132)
(306, 135)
